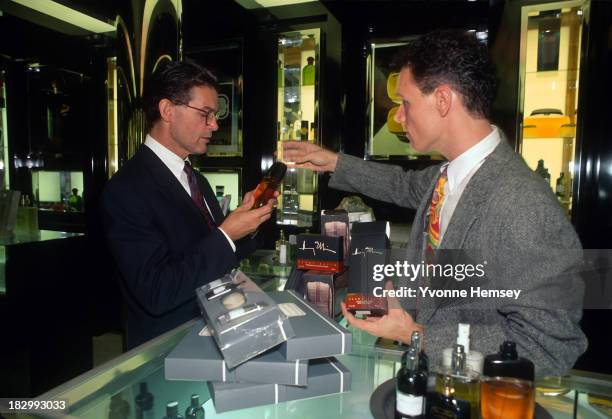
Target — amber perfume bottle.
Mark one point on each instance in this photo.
(507, 390)
(445, 405)
(410, 387)
(269, 184)
(465, 381)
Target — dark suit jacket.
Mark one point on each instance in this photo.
(161, 244)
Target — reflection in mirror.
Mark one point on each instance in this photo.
(550, 65)
(297, 119)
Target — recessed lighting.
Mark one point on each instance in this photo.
(68, 15)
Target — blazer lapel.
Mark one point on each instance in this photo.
(167, 182)
(469, 208)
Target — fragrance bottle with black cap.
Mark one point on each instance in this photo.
(507, 390)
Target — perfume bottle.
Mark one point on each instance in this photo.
(444, 405)
(308, 73)
(465, 381)
(416, 342)
(474, 360)
(507, 390)
(119, 408)
(410, 387)
(269, 184)
(144, 403)
(195, 410)
(172, 411)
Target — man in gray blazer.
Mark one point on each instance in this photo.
(485, 202)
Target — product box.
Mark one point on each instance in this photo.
(325, 376)
(325, 290)
(197, 358)
(369, 245)
(316, 336)
(318, 252)
(243, 319)
(368, 305)
(336, 223)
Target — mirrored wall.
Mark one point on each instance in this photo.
(298, 119)
(551, 37)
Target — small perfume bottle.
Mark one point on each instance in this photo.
(172, 411)
(465, 381)
(410, 387)
(195, 410)
(144, 403)
(269, 184)
(444, 405)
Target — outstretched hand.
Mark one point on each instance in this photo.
(304, 154)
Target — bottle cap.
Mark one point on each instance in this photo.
(172, 409)
(277, 171)
(507, 363)
(463, 336)
(195, 400)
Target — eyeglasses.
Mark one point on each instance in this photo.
(205, 113)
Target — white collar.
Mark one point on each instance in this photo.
(462, 166)
(171, 160)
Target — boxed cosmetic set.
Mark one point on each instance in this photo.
(258, 348)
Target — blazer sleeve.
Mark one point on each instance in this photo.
(159, 278)
(383, 182)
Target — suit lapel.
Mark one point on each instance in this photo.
(168, 184)
(469, 208)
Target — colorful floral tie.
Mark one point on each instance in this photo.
(433, 217)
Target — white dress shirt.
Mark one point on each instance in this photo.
(176, 166)
(460, 171)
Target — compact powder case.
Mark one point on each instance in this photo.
(233, 300)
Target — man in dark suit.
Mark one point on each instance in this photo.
(164, 226)
(484, 202)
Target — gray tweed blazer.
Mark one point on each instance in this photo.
(509, 217)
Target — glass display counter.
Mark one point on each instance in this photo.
(117, 383)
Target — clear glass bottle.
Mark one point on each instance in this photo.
(465, 381)
(410, 387)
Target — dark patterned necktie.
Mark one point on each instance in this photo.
(196, 195)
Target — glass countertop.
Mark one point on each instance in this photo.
(89, 395)
(41, 236)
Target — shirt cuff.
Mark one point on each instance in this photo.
(228, 239)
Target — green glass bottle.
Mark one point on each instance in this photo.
(308, 73)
